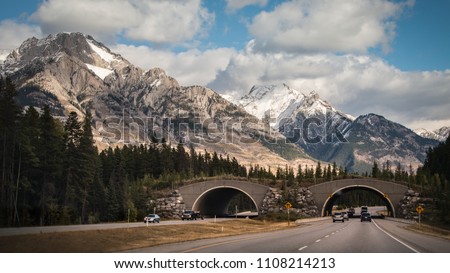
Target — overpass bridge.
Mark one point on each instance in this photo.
(213, 197)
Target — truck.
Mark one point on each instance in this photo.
(191, 215)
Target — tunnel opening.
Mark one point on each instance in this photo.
(358, 196)
(225, 202)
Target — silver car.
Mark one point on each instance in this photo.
(152, 218)
(345, 215)
(338, 216)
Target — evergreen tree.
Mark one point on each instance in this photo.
(88, 159)
(319, 172)
(375, 170)
(9, 117)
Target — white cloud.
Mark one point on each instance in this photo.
(13, 34)
(155, 21)
(233, 5)
(170, 21)
(355, 84)
(192, 67)
(345, 26)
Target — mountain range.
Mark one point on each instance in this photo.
(272, 125)
(73, 72)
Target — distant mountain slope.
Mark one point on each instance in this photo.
(331, 135)
(440, 134)
(74, 72)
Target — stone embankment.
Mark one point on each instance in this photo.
(303, 203)
(409, 203)
(171, 206)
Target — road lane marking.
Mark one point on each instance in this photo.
(327, 236)
(318, 240)
(303, 247)
(410, 247)
(218, 244)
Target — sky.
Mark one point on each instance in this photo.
(363, 56)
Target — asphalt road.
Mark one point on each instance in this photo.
(379, 236)
(48, 229)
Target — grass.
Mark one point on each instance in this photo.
(115, 240)
(430, 230)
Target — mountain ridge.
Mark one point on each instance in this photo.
(129, 105)
(331, 135)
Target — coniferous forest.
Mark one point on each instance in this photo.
(52, 173)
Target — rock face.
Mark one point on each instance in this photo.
(411, 201)
(171, 207)
(440, 134)
(330, 135)
(129, 105)
(304, 205)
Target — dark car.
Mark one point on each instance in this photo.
(351, 212)
(191, 215)
(365, 216)
(152, 218)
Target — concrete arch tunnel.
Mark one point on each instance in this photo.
(326, 194)
(213, 197)
(328, 205)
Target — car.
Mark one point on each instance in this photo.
(338, 216)
(191, 215)
(364, 209)
(345, 215)
(365, 216)
(152, 218)
(351, 212)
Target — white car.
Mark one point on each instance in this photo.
(152, 218)
(338, 216)
(345, 215)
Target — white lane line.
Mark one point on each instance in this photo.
(327, 236)
(410, 247)
(332, 233)
(318, 240)
(303, 247)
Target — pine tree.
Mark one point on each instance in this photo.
(73, 160)
(9, 117)
(88, 159)
(318, 173)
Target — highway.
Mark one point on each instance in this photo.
(50, 229)
(353, 236)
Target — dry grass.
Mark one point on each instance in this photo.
(430, 230)
(96, 241)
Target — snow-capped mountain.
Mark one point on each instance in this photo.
(3, 55)
(331, 135)
(278, 103)
(440, 134)
(74, 72)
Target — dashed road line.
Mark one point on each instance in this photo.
(318, 240)
(303, 247)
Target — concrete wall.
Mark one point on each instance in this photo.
(192, 194)
(392, 192)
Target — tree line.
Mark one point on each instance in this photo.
(52, 173)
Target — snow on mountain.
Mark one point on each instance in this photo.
(439, 134)
(269, 102)
(74, 72)
(101, 72)
(277, 103)
(105, 55)
(3, 55)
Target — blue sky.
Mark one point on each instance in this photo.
(386, 57)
